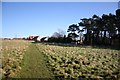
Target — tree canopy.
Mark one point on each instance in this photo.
(100, 30)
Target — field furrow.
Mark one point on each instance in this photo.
(82, 62)
(33, 65)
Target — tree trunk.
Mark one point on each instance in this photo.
(93, 41)
(97, 38)
(101, 34)
(110, 39)
(88, 37)
(104, 38)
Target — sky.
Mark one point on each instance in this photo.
(60, 0)
(22, 19)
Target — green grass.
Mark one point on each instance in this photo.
(22, 59)
(33, 65)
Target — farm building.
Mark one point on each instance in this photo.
(30, 37)
(37, 38)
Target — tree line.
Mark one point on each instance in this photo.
(98, 30)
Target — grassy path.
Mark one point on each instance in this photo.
(33, 65)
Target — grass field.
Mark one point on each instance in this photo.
(12, 55)
(82, 62)
(23, 59)
(33, 64)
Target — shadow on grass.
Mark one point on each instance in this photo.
(61, 78)
(27, 78)
(79, 45)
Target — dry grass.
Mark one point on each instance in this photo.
(12, 55)
(64, 62)
(82, 62)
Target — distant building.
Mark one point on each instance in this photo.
(30, 37)
(37, 38)
(44, 39)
